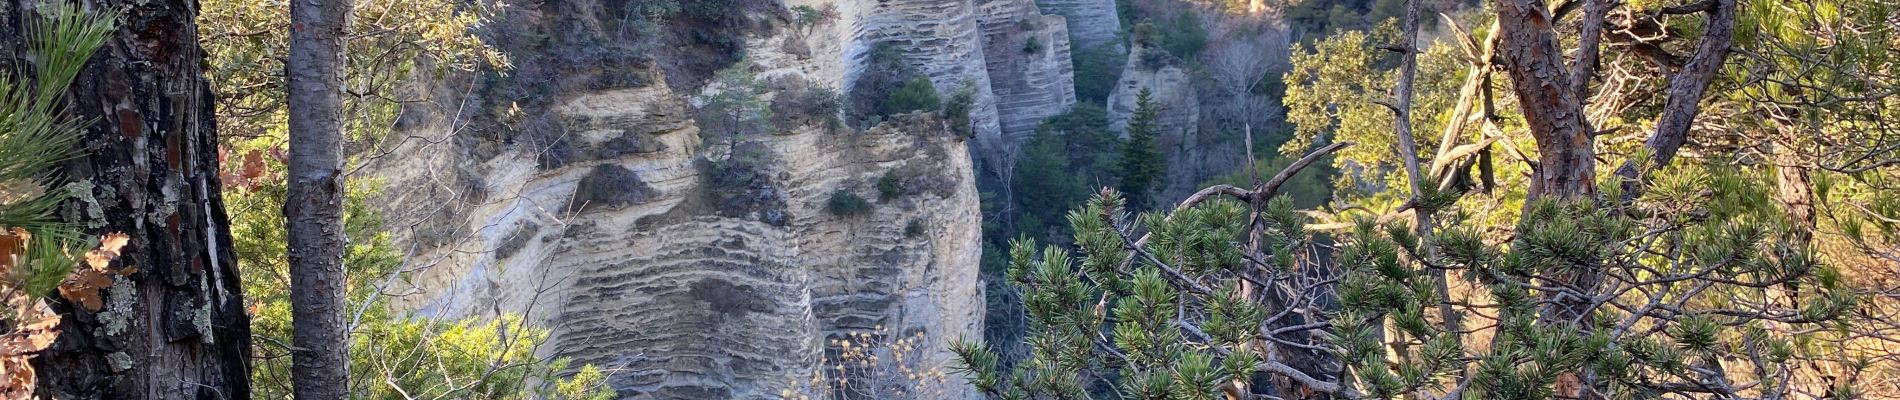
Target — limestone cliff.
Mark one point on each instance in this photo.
(1091, 22)
(939, 37)
(1028, 64)
(1012, 57)
(582, 192)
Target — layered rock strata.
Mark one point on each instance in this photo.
(691, 268)
(1092, 23)
(1028, 63)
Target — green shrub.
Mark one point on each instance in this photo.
(822, 103)
(738, 110)
(1184, 36)
(1032, 46)
(957, 110)
(914, 228)
(800, 103)
(916, 94)
(887, 187)
(844, 203)
(741, 186)
(885, 73)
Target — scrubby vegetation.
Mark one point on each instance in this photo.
(796, 102)
(844, 203)
(917, 94)
(914, 228)
(738, 109)
(1097, 69)
(887, 186)
(742, 185)
(886, 74)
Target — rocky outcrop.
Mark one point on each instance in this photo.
(1172, 89)
(1092, 23)
(1028, 64)
(645, 276)
(939, 37)
(1014, 59)
(695, 270)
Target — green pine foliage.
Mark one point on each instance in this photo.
(1105, 320)
(1164, 315)
(957, 110)
(1142, 167)
(738, 109)
(1044, 186)
(35, 137)
(1067, 159)
(1184, 35)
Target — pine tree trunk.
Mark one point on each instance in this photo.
(176, 328)
(1794, 189)
(314, 205)
(1566, 148)
(1565, 144)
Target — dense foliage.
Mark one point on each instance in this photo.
(1743, 250)
(1142, 167)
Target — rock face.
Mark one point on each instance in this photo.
(977, 45)
(939, 37)
(1172, 89)
(1091, 22)
(696, 270)
(1028, 63)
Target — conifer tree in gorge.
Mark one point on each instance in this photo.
(165, 320)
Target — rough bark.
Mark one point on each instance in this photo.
(1553, 108)
(314, 205)
(1565, 146)
(1796, 192)
(1685, 97)
(176, 328)
(1589, 35)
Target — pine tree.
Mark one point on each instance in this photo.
(314, 205)
(168, 321)
(1675, 280)
(1045, 183)
(1142, 165)
(1188, 310)
(739, 110)
(37, 249)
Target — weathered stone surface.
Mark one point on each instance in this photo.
(976, 45)
(657, 285)
(1091, 22)
(939, 37)
(1028, 63)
